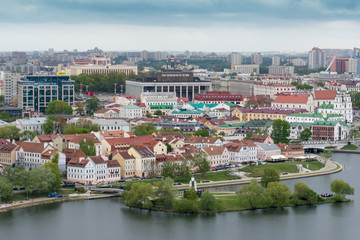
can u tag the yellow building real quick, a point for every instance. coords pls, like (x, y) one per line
(127, 163)
(248, 114)
(8, 154)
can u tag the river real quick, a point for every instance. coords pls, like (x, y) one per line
(109, 219)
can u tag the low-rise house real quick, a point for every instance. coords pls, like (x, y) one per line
(30, 155)
(107, 113)
(31, 124)
(247, 114)
(125, 99)
(145, 161)
(127, 163)
(8, 154)
(291, 151)
(261, 138)
(297, 128)
(112, 134)
(242, 151)
(200, 142)
(216, 155)
(57, 140)
(267, 150)
(73, 154)
(228, 129)
(312, 117)
(163, 108)
(92, 170)
(74, 140)
(131, 111)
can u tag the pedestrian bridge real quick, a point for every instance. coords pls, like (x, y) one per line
(107, 190)
(323, 144)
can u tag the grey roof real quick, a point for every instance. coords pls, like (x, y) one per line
(268, 146)
(31, 121)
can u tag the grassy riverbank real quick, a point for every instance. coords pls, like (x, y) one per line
(288, 167)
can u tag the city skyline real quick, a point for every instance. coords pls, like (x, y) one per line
(221, 26)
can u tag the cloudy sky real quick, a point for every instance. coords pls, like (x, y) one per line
(202, 25)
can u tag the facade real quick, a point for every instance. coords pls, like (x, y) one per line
(31, 124)
(242, 151)
(281, 70)
(317, 58)
(248, 114)
(300, 101)
(107, 113)
(125, 99)
(183, 84)
(272, 89)
(153, 99)
(74, 140)
(296, 128)
(103, 69)
(216, 155)
(341, 105)
(246, 68)
(329, 131)
(354, 65)
(127, 163)
(291, 151)
(276, 61)
(131, 111)
(145, 160)
(256, 58)
(218, 97)
(36, 92)
(10, 90)
(8, 154)
(312, 117)
(267, 150)
(235, 58)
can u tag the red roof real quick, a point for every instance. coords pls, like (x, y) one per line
(325, 94)
(292, 99)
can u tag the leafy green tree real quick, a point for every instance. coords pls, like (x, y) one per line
(327, 153)
(270, 175)
(2, 100)
(43, 180)
(199, 160)
(169, 148)
(340, 187)
(280, 193)
(303, 192)
(92, 105)
(355, 98)
(185, 205)
(79, 109)
(305, 135)
(9, 132)
(254, 195)
(207, 201)
(88, 147)
(140, 195)
(146, 129)
(58, 107)
(281, 131)
(202, 132)
(191, 194)
(148, 115)
(248, 135)
(6, 190)
(320, 84)
(27, 135)
(158, 112)
(48, 126)
(166, 193)
(4, 116)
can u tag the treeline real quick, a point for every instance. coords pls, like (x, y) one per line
(102, 83)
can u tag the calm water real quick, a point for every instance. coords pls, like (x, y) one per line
(108, 219)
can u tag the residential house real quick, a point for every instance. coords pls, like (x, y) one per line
(216, 155)
(267, 150)
(107, 113)
(201, 142)
(127, 163)
(242, 151)
(8, 154)
(74, 140)
(131, 111)
(248, 114)
(261, 138)
(31, 124)
(145, 160)
(291, 151)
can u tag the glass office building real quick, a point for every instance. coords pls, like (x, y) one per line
(36, 92)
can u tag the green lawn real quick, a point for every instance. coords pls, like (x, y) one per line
(216, 176)
(289, 167)
(350, 147)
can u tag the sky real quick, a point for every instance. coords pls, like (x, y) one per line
(178, 25)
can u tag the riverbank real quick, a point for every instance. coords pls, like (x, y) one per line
(40, 201)
(346, 151)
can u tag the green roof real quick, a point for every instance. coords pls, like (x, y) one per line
(259, 123)
(156, 107)
(231, 104)
(326, 106)
(187, 112)
(329, 123)
(202, 105)
(131, 106)
(303, 124)
(234, 125)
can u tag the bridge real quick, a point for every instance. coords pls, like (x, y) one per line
(321, 145)
(107, 190)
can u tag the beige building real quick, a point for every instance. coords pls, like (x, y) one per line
(246, 68)
(127, 163)
(8, 154)
(271, 89)
(145, 161)
(102, 69)
(281, 70)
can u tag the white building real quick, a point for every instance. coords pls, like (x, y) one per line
(246, 68)
(281, 70)
(341, 105)
(10, 86)
(108, 124)
(216, 155)
(131, 111)
(125, 99)
(243, 151)
(159, 98)
(236, 58)
(312, 117)
(31, 124)
(317, 58)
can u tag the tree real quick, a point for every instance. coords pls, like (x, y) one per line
(270, 175)
(199, 160)
(202, 132)
(48, 126)
(58, 107)
(4, 116)
(169, 148)
(340, 187)
(281, 131)
(148, 115)
(27, 135)
(146, 129)
(254, 195)
(355, 98)
(88, 147)
(248, 135)
(140, 195)
(6, 190)
(303, 192)
(279, 192)
(92, 105)
(43, 180)
(191, 194)
(305, 135)
(327, 153)
(79, 109)
(158, 112)
(166, 193)
(207, 201)
(320, 84)
(185, 205)
(9, 132)
(2, 100)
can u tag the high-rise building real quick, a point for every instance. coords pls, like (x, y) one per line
(10, 86)
(276, 60)
(36, 92)
(256, 58)
(235, 58)
(158, 56)
(281, 70)
(354, 65)
(340, 65)
(145, 55)
(18, 58)
(356, 52)
(317, 58)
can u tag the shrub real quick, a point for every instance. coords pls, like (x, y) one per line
(185, 205)
(81, 190)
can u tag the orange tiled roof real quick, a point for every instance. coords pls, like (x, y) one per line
(325, 94)
(292, 99)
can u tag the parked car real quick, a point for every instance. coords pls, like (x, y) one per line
(53, 194)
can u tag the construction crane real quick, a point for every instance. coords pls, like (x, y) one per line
(332, 61)
(13, 101)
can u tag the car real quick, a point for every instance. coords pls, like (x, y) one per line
(142, 178)
(214, 169)
(53, 194)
